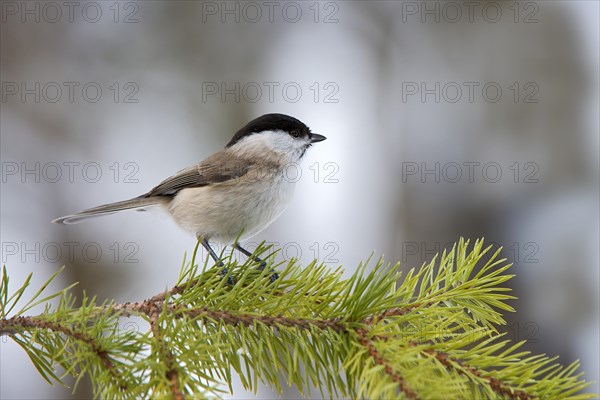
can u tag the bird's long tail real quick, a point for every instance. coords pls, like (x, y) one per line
(138, 203)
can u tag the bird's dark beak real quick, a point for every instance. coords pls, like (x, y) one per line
(315, 137)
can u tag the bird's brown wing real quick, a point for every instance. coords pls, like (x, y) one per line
(218, 168)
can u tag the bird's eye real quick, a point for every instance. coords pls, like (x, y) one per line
(295, 134)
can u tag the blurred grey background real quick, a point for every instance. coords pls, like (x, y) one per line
(444, 119)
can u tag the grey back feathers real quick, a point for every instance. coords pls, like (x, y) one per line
(218, 168)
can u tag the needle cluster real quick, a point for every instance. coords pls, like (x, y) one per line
(431, 333)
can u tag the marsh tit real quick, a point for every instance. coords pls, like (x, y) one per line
(233, 194)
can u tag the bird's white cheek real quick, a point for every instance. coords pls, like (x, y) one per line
(273, 145)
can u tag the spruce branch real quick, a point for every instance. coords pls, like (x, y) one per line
(433, 335)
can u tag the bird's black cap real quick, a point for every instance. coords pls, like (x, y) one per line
(271, 122)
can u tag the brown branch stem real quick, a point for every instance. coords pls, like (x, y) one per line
(403, 387)
(465, 369)
(153, 306)
(13, 325)
(172, 373)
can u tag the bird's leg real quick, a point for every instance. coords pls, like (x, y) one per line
(262, 263)
(212, 253)
(215, 257)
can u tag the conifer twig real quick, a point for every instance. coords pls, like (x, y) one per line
(434, 331)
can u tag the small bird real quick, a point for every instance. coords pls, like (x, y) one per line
(233, 194)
